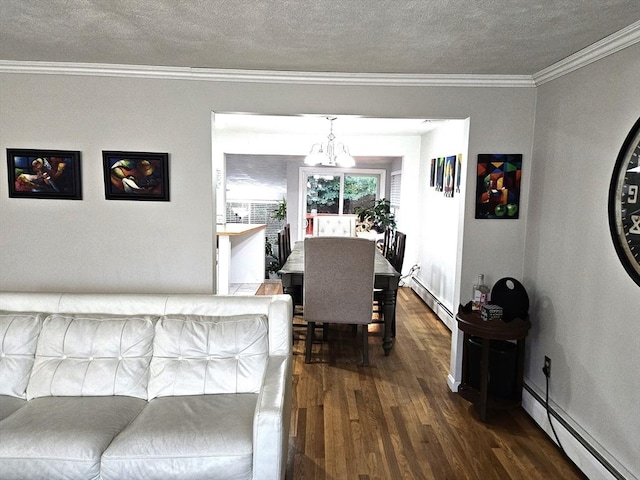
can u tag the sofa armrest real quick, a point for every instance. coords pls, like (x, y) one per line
(272, 420)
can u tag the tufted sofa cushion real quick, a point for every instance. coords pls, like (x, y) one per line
(18, 339)
(187, 437)
(63, 438)
(92, 355)
(196, 355)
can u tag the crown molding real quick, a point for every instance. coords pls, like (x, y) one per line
(264, 76)
(607, 46)
(613, 43)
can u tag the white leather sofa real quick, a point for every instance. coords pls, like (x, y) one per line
(108, 386)
(334, 226)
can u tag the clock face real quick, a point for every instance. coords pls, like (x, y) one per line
(624, 204)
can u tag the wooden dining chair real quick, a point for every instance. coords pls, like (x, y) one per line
(395, 255)
(338, 285)
(287, 239)
(284, 250)
(397, 251)
(282, 247)
(387, 241)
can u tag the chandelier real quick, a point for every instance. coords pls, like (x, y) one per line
(330, 153)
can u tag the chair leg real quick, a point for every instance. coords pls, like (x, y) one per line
(311, 326)
(365, 345)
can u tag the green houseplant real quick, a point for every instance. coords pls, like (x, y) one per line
(271, 264)
(378, 215)
(280, 213)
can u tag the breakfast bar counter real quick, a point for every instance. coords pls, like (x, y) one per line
(241, 257)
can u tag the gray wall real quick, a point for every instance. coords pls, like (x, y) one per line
(586, 309)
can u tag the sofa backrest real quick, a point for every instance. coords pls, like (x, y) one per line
(277, 308)
(152, 345)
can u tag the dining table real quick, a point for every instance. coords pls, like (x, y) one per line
(386, 279)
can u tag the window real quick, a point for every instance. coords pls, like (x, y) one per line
(333, 191)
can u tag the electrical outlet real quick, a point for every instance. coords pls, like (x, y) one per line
(547, 366)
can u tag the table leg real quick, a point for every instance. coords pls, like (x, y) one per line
(520, 369)
(389, 317)
(484, 380)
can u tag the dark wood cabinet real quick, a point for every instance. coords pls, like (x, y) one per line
(482, 333)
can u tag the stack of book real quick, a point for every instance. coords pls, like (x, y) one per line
(489, 312)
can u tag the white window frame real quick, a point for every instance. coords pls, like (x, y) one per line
(302, 186)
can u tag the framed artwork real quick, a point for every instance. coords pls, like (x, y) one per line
(498, 186)
(136, 176)
(458, 172)
(51, 174)
(449, 175)
(432, 179)
(439, 173)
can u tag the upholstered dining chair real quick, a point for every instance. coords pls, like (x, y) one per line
(338, 285)
(334, 226)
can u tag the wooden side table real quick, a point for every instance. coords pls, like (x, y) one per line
(471, 324)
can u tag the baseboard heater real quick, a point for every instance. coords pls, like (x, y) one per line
(432, 301)
(615, 473)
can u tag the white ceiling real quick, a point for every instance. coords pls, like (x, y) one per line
(502, 37)
(319, 125)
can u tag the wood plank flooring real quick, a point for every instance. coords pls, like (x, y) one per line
(397, 419)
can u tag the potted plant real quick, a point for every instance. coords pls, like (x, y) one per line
(271, 263)
(280, 213)
(378, 215)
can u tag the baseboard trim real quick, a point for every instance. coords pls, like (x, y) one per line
(584, 451)
(433, 302)
(589, 456)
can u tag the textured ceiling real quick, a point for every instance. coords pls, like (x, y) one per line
(510, 37)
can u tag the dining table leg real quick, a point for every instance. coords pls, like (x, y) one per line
(389, 317)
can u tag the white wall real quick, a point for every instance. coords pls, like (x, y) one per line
(297, 145)
(586, 309)
(439, 218)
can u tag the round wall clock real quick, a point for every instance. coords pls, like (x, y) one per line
(624, 204)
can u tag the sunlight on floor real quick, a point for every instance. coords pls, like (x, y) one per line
(243, 288)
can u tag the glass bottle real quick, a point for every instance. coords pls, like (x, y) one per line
(480, 294)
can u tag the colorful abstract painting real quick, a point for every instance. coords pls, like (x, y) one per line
(449, 175)
(439, 174)
(498, 186)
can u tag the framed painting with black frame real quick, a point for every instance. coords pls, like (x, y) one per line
(498, 182)
(136, 176)
(53, 174)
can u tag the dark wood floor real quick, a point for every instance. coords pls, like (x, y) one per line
(397, 419)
